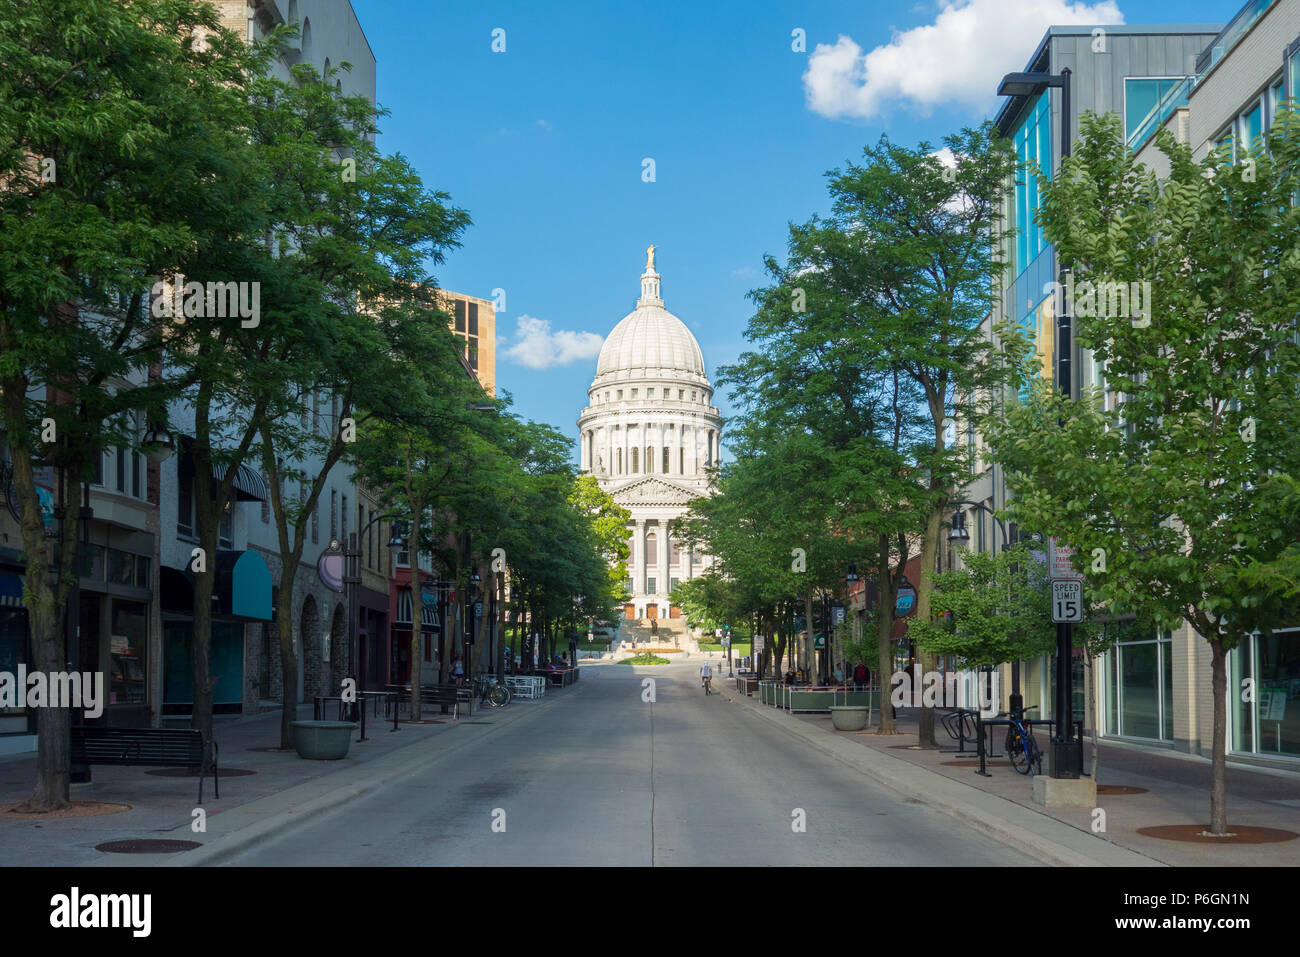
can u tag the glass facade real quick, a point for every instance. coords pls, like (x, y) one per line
(1270, 723)
(1033, 145)
(1139, 685)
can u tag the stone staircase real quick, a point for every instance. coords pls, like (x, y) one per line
(673, 633)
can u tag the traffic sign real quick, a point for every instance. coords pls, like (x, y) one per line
(1067, 602)
(1059, 567)
(758, 644)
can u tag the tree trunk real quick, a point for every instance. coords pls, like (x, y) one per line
(885, 636)
(809, 655)
(46, 607)
(929, 550)
(201, 643)
(288, 666)
(1219, 758)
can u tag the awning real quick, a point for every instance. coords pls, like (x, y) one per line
(243, 585)
(428, 616)
(11, 591)
(242, 588)
(248, 485)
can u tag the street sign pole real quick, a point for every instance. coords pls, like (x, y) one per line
(1067, 755)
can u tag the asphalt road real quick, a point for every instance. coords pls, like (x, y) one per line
(605, 778)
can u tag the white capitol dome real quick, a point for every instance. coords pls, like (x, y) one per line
(651, 436)
(650, 342)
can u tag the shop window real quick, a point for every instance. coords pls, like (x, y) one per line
(1139, 678)
(128, 644)
(1270, 723)
(90, 562)
(121, 568)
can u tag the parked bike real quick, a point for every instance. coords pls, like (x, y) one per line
(1022, 748)
(491, 692)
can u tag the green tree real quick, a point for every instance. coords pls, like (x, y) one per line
(117, 156)
(1179, 498)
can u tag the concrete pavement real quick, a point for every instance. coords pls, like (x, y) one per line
(609, 778)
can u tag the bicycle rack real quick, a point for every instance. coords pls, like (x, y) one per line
(962, 724)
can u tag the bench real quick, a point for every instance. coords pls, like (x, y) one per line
(148, 747)
(443, 694)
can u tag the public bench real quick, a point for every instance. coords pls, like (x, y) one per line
(146, 747)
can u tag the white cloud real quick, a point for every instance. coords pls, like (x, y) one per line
(957, 59)
(537, 347)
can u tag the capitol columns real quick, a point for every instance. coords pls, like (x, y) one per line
(638, 581)
(663, 581)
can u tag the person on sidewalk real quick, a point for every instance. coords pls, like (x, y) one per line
(706, 676)
(861, 676)
(457, 670)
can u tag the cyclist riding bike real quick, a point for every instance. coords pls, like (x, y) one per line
(706, 676)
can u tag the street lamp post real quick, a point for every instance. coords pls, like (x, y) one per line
(1067, 756)
(352, 582)
(960, 536)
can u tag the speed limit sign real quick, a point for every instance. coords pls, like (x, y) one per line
(1067, 602)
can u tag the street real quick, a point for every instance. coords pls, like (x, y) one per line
(606, 778)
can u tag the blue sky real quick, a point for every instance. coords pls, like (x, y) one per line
(544, 143)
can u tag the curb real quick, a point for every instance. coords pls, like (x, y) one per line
(1048, 848)
(280, 813)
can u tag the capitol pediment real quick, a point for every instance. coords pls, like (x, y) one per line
(653, 491)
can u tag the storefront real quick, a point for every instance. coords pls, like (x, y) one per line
(113, 620)
(372, 626)
(241, 594)
(15, 723)
(1269, 723)
(1139, 684)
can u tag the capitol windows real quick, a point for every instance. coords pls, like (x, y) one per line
(649, 458)
(634, 462)
(681, 394)
(620, 393)
(666, 466)
(634, 391)
(649, 393)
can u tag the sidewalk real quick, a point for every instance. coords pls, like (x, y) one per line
(251, 805)
(1177, 792)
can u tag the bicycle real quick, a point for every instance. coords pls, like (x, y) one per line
(706, 682)
(491, 692)
(1022, 748)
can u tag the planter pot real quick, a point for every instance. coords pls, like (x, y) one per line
(851, 718)
(323, 740)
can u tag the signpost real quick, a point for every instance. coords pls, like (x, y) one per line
(1067, 602)
(1067, 610)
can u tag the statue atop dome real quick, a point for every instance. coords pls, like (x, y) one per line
(650, 259)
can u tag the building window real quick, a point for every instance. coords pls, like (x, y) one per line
(649, 393)
(650, 586)
(1139, 685)
(681, 461)
(634, 392)
(620, 394)
(681, 394)
(1033, 145)
(649, 458)
(1270, 723)
(666, 463)
(634, 461)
